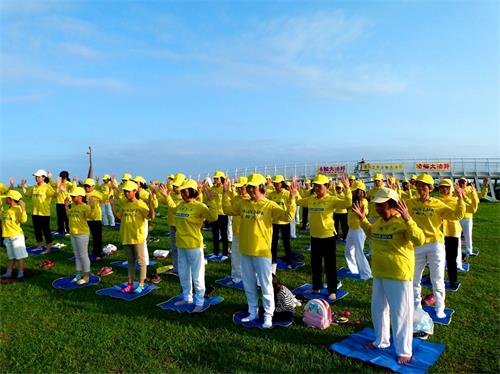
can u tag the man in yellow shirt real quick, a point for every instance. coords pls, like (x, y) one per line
(220, 225)
(257, 216)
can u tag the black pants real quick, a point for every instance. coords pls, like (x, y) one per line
(62, 219)
(451, 247)
(341, 222)
(220, 226)
(324, 249)
(285, 236)
(305, 214)
(96, 232)
(41, 226)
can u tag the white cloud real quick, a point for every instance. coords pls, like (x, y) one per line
(22, 98)
(80, 50)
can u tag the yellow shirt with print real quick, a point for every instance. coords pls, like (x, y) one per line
(189, 217)
(41, 197)
(393, 241)
(429, 216)
(281, 198)
(96, 214)
(78, 215)
(256, 228)
(133, 215)
(12, 218)
(321, 221)
(237, 219)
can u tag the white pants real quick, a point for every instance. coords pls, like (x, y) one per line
(293, 229)
(392, 307)
(466, 224)
(107, 212)
(16, 247)
(235, 261)
(192, 270)
(354, 254)
(297, 214)
(146, 253)
(80, 244)
(173, 248)
(434, 255)
(230, 229)
(255, 268)
(459, 254)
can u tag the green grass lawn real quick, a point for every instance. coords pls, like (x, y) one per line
(49, 330)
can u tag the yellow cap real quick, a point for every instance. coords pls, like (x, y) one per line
(352, 177)
(106, 177)
(79, 191)
(307, 181)
(463, 179)
(339, 185)
(126, 177)
(139, 179)
(268, 177)
(219, 174)
(321, 179)
(179, 178)
(385, 194)
(358, 185)
(256, 180)
(89, 182)
(426, 178)
(278, 179)
(446, 183)
(14, 195)
(129, 186)
(378, 177)
(241, 182)
(189, 183)
(40, 173)
(413, 177)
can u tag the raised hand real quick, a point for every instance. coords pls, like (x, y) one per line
(460, 191)
(49, 174)
(345, 181)
(164, 190)
(359, 210)
(403, 210)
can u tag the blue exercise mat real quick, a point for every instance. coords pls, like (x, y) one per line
(425, 353)
(426, 282)
(441, 321)
(257, 323)
(32, 250)
(228, 282)
(59, 235)
(170, 304)
(91, 258)
(323, 293)
(346, 273)
(115, 291)
(465, 267)
(282, 265)
(124, 264)
(216, 258)
(66, 284)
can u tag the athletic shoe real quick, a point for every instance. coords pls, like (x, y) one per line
(250, 318)
(127, 289)
(268, 323)
(139, 289)
(182, 302)
(82, 281)
(198, 309)
(76, 278)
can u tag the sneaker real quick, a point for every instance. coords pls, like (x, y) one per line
(223, 258)
(440, 314)
(76, 278)
(198, 309)
(106, 271)
(421, 335)
(6, 276)
(82, 281)
(250, 318)
(268, 323)
(139, 289)
(127, 289)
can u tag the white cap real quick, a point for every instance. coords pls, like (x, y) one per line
(40, 173)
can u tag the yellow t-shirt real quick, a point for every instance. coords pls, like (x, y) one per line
(12, 218)
(78, 215)
(237, 219)
(96, 214)
(62, 195)
(451, 227)
(473, 199)
(144, 196)
(352, 218)
(217, 193)
(429, 216)
(321, 212)
(106, 192)
(406, 195)
(281, 198)
(257, 217)
(41, 197)
(189, 217)
(133, 215)
(340, 210)
(3, 190)
(393, 254)
(175, 199)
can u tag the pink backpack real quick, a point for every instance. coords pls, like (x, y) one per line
(318, 314)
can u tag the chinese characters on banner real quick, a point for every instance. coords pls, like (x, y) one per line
(332, 169)
(368, 166)
(426, 166)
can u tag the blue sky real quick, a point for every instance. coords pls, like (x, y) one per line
(161, 86)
